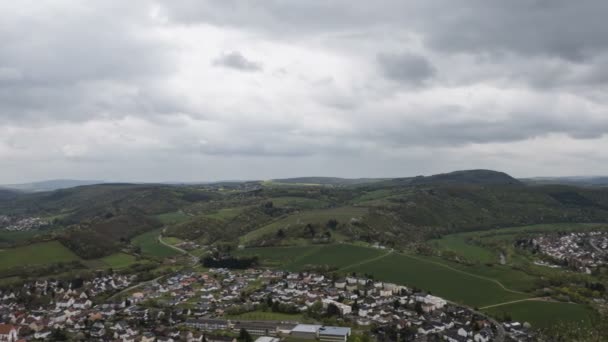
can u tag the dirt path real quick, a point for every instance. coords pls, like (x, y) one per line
(366, 261)
(535, 299)
(469, 274)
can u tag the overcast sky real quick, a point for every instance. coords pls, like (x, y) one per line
(192, 90)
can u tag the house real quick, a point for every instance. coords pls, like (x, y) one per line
(334, 334)
(9, 333)
(42, 335)
(147, 337)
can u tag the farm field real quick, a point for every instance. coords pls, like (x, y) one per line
(339, 256)
(448, 283)
(36, 254)
(148, 242)
(543, 314)
(278, 256)
(458, 243)
(341, 214)
(425, 273)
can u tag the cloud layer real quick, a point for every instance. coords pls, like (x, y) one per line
(224, 89)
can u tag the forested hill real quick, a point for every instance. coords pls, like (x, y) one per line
(394, 212)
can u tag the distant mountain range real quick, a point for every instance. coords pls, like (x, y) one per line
(589, 181)
(480, 177)
(49, 185)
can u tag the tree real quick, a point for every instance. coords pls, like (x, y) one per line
(332, 224)
(418, 308)
(316, 310)
(58, 335)
(333, 310)
(281, 233)
(244, 336)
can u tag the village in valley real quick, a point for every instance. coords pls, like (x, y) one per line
(222, 305)
(580, 251)
(9, 223)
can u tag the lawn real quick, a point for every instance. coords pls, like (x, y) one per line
(543, 314)
(36, 254)
(148, 242)
(342, 214)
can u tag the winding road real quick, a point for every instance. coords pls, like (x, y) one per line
(194, 259)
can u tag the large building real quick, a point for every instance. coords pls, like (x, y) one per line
(334, 334)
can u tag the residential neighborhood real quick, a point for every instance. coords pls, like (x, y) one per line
(214, 306)
(21, 224)
(583, 251)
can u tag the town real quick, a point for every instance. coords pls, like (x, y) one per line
(21, 224)
(213, 306)
(584, 251)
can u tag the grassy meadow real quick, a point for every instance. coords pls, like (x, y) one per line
(320, 216)
(148, 242)
(543, 314)
(41, 253)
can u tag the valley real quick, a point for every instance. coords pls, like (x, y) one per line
(448, 235)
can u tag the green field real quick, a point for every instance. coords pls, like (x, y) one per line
(421, 272)
(118, 260)
(173, 217)
(452, 284)
(148, 242)
(278, 256)
(543, 314)
(297, 258)
(7, 237)
(226, 214)
(342, 214)
(36, 254)
(338, 256)
(172, 240)
(458, 243)
(298, 202)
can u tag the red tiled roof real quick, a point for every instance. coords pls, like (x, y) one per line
(5, 329)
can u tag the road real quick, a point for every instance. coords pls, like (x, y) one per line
(194, 259)
(136, 286)
(500, 330)
(599, 250)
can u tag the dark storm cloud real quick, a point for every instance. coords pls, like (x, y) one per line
(573, 31)
(406, 68)
(235, 60)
